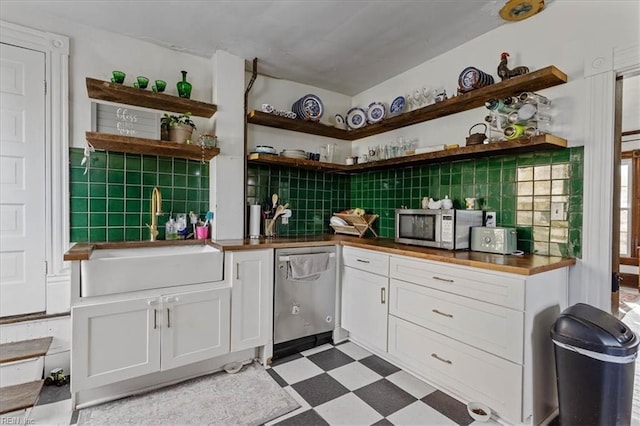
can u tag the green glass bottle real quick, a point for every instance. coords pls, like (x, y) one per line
(184, 87)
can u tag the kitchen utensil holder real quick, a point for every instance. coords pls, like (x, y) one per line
(356, 224)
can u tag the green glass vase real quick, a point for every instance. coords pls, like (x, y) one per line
(184, 87)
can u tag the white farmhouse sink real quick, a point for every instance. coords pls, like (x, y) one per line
(110, 271)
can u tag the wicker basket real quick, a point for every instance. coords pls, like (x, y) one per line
(356, 224)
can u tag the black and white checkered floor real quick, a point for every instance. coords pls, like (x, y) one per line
(347, 385)
(335, 385)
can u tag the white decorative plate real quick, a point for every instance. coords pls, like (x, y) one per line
(356, 118)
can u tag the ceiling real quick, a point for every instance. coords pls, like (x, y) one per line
(345, 46)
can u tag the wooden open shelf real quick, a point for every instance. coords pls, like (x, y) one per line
(518, 146)
(310, 127)
(133, 145)
(531, 82)
(119, 93)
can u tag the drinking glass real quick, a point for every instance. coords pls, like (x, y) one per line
(143, 82)
(331, 149)
(161, 85)
(118, 77)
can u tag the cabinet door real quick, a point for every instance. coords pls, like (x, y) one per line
(364, 307)
(251, 275)
(195, 326)
(459, 368)
(114, 341)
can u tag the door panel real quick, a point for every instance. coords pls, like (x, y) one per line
(195, 326)
(364, 307)
(251, 275)
(114, 342)
(22, 181)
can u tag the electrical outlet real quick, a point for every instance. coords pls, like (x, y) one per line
(557, 211)
(490, 219)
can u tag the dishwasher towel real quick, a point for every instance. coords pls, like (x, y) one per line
(305, 266)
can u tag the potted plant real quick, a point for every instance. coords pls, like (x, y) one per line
(178, 128)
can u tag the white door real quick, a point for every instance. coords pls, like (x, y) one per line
(364, 307)
(22, 181)
(252, 298)
(115, 341)
(195, 326)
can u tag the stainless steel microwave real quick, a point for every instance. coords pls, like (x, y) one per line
(447, 228)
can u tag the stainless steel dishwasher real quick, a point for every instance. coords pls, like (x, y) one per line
(304, 310)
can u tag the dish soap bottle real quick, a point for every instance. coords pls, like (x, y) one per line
(171, 230)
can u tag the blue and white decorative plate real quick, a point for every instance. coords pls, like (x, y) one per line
(309, 107)
(312, 106)
(356, 118)
(397, 106)
(376, 112)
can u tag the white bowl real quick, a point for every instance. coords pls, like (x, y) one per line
(477, 415)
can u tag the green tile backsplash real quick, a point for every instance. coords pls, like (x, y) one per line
(312, 196)
(520, 188)
(112, 201)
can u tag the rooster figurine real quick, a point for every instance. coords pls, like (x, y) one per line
(505, 73)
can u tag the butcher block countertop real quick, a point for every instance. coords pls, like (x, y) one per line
(521, 265)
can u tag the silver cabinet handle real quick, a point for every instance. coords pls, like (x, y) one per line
(443, 279)
(446, 361)
(154, 302)
(237, 270)
(362, 261)
(168, 318)
(435, 311)
(382, 295)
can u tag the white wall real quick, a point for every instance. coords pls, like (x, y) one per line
(96, 53)
(568, 34)
(282, 94)
(564, 35)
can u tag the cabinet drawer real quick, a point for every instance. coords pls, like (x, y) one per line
(366, 260)
(495, 329)
(502, 289)
(471, 373)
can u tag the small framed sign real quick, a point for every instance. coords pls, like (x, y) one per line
(124, 120)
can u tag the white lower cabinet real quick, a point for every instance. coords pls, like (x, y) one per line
(251, 276)
(364, 307)
(469, 372)
(119, 340)
(479, 334)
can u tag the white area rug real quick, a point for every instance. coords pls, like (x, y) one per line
(250, 397)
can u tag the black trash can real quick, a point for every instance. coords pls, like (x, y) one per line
(595, 365)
